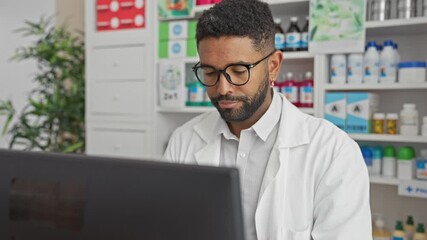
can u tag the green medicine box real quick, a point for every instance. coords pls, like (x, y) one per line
(177, 48)
(174, 30)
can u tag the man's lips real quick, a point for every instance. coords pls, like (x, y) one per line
(225, 104)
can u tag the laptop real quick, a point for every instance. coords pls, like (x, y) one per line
(66, 196)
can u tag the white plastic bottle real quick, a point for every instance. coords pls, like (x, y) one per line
(409, 120)
(371, 62)
(424, 127)
(338, 69)
(355, 68)
(388, 63)
(396, 53)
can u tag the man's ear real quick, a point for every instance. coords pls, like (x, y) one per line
(274, 65)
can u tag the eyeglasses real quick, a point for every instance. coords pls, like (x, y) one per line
(236, 73)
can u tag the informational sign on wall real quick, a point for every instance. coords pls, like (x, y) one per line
(120, 14)
(337, 26)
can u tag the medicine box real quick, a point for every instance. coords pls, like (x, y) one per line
(421, 170)
(335, 109)
(360, 108)
(177, 48)
(172, 92)
(177, 30)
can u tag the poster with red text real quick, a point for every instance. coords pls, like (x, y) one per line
(120, 14)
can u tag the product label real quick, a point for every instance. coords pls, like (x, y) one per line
(306, 95)
(371, 69)
(338, 72)
(293, 40)
(387, 71)
(291, 93)
(355, 72)
(380, 238)
(279, 41)
(304, 40)
(398, 238)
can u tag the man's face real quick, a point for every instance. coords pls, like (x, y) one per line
(235, 103)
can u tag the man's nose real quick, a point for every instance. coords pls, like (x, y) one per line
(223, 85)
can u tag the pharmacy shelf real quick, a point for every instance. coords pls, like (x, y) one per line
(395, 86)
(200, 8)
(384, 180)
(397, 27)
(388, 138)
(297, 55)
(307, 110)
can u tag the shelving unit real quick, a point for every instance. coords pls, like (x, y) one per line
(395, 86)
(397, 27)
(383, 180)
(297, 55)
(388, 138)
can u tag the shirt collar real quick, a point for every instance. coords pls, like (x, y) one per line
(263, 127)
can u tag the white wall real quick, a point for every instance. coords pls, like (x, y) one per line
(16, 77)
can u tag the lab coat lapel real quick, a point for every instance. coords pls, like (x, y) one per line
(209, 154)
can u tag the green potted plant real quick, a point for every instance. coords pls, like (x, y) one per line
(53, 119)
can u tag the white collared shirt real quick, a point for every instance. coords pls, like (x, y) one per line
(250, 155)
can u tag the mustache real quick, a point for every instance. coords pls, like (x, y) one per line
(228, 97)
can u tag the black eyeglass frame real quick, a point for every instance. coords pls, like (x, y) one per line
(223, 71)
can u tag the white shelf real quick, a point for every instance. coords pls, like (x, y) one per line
(384, 180)
(200, 8)
(297, 55)
(388, 138)
(307, 110)
(185, 110)
(397, 26)
(277, 2)
(395, 86)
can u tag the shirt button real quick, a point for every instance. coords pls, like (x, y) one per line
(242, 155)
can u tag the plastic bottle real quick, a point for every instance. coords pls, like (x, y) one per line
(398, 233)
(304, 35)
(424, 127)
(421, 171)
(388, 63)
(378, 123)
(376, 160)
(409, 120)
(338, 69)
(279, 37)
(355, 68)
(306, 91)
(380, 232)
(406, 9)
(406, 163)
(396, 53)
(389, 162)
(293, 36)
(290, 89)
(367, 156)
(391, 123)
(409, 227)
(371, 62)
(380, 10)
(420, 234)
(279, 84)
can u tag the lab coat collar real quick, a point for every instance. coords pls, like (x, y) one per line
(293, 131)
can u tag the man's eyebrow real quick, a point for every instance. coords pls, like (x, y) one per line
(239, 62)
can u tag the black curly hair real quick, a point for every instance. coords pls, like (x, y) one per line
(242, 18)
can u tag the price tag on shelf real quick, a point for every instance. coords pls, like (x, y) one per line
(413, 188)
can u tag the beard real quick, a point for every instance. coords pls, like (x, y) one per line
(249, 107)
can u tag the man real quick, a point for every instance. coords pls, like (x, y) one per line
(301, 177)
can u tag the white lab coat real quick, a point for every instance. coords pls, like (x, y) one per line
(315, 185)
